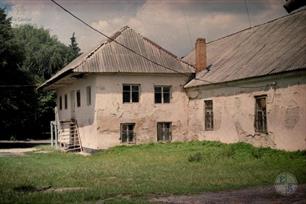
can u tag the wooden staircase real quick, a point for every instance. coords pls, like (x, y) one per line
(69, 137)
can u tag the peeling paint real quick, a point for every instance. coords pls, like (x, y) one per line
(292, 117)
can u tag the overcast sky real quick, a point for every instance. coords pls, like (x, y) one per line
(173, 24)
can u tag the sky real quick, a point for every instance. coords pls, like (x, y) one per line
(173, 24)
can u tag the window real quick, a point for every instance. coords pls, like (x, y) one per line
(78, 96)
(164, 131)
(66, 101)
(209, 115)
(260, 114)
(162, 94)
(127, 132)
(60, 103)
(88, 94)
(131, 93)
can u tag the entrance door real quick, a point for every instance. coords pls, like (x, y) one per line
(72, 104)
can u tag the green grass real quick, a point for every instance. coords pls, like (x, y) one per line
(135, 173)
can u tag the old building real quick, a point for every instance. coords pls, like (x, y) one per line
(117, 96)
(252, 88)
(249, 86)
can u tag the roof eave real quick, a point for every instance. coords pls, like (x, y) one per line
(52, 80)
(188, 85)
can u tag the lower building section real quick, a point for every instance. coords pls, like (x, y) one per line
(131, 132)
(269, 118)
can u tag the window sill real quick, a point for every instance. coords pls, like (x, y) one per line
(127, 143)
(261, 133)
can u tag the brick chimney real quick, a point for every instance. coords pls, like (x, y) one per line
(200, 54)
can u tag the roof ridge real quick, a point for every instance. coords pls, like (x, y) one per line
(258, 25)
(110, 39)
(160, 47)
(154, 43)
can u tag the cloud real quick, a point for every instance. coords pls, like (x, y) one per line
(174, 25)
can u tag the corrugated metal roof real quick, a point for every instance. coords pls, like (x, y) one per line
(273, 47)
(111, 57)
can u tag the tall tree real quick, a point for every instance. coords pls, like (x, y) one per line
(44, 56)
(75, 50)
(17, 99)
(28, 56)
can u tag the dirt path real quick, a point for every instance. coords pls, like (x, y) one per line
(250, 195)
(15, 151)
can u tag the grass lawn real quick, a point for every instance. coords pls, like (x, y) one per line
(132, 174)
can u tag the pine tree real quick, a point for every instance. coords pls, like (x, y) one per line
(75, 50)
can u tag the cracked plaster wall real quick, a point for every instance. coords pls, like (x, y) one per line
(234, 116)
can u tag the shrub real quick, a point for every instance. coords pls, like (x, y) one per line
(228, 151)
(256, 153)
(196, 157)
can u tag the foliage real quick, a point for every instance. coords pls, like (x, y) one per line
(196, 157)
(44, 54)
(16, 103)
(134, 173)
(28, 56)
(75, 50)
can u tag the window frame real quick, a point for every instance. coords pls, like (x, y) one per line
(88, 95)
(133, 141)
(263, 110)
(130, 93)
(162, 93)
(66, 101)
(60, 103)
(78, 98)
(158, 137)
(208, 115)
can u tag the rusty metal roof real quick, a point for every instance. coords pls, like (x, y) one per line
(273, 47)
(110, 57)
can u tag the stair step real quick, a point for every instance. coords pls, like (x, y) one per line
(72, 149)
(69, 135)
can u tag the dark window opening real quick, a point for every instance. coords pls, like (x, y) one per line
(88, 93)
(164, 132)
(209, 115)
(60, 103)
(261, 114)
(127, 133)
(130, 93)
(66, 101)
(162, 94)
(78, 96)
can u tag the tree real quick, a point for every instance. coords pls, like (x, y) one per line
(44, 54)
(75, 50)
(28, 56)
(17, 93)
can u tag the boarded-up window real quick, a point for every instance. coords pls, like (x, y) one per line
(209, 115)
(66, 101)
(78, 97)
(127, 133)
(88, 95)
(164, 131)
(130, 93)
(162, 94)
(260, 114)
(60, 103)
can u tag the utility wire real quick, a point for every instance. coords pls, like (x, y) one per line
(133, 51)
(112, 39)
(16, 86)
(248, 12)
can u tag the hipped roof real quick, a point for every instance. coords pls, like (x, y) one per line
(110, 57)
(273, 47)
